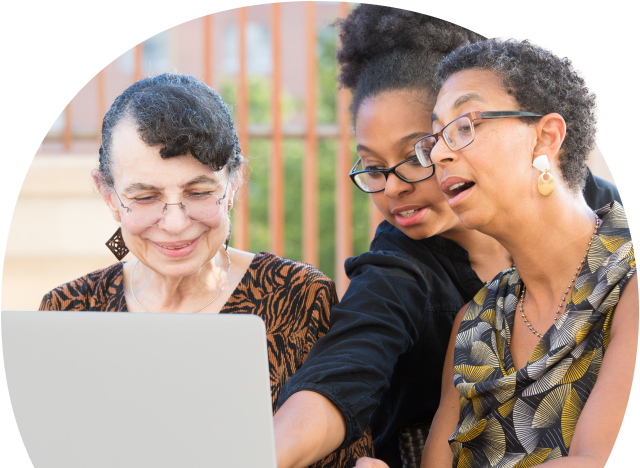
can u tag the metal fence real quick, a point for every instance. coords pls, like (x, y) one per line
(311, 131)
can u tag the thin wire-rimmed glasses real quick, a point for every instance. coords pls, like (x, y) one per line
(459, 133)
(198, 207)
(375, 180)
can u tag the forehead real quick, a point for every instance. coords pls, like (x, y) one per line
(134, 161)
(473, 89)
(399, 113)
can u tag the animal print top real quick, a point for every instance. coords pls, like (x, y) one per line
(293, 299)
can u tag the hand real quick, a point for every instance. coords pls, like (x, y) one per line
(366, 462)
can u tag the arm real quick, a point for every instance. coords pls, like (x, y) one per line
(308, 427)
(437, 452)
(601, 418)
(348, 369)
(307, 411)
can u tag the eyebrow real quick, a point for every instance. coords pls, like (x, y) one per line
(405, 139)
(402, 141)
(364, 148)
(462, 100)
(202, 179)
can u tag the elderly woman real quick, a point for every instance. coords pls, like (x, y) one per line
(169, 168)
(540, 362)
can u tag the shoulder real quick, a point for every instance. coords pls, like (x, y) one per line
(389, 249)
(501, 287)
(598, 192)
(78, 294)
(267, 267)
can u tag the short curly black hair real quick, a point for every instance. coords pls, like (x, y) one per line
(387, 49)
(542, 83)
(181, 114)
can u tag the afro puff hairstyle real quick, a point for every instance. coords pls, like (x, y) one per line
(385, 49)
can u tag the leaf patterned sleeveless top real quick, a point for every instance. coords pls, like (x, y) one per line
(528, 416)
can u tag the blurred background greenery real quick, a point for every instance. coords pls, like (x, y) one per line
(259, 90)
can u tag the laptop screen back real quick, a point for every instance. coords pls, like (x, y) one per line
(93, 389)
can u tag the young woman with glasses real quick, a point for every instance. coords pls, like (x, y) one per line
(380, 366)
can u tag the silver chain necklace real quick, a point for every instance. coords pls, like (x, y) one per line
(207, 304)
(569, 287)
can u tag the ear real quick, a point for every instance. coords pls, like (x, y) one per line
(234, 189)
(550, 133)
(106, 192)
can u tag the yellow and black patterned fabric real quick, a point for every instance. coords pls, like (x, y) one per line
(521, 418)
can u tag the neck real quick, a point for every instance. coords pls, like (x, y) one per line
(158, 292)
(487, 256)
(547, 239)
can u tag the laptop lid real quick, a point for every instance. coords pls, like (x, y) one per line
(94, 389)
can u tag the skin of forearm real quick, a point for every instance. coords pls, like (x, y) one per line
(437, 453)
(307, 428)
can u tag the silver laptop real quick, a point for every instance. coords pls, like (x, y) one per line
(125, 390)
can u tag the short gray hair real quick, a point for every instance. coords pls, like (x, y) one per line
(181, 114)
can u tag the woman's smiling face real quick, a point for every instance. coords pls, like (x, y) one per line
(177, 246)
(387, 127)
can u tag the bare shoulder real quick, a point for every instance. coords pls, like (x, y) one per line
(625, 320)
(241, 258)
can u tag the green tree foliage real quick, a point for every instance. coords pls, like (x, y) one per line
(294, 150)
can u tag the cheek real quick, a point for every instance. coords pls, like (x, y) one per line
(218, 225)
(131, 229)
(438, 174)
(379, 200)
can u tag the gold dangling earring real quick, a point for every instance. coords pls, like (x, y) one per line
(546, 182)
(116, 245)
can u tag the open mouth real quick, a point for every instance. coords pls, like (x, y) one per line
(408, 214)
(457, 189)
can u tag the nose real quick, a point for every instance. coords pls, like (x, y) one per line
(175, 220)
(396, 187)
(441, 154)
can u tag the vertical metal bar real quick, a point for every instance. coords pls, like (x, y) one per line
(310, 161)
(137, 74)
(208, 65)
(276, 198)
(101, 104)
(67, 135)
(375, 218)
(344, 219)
(241, 217)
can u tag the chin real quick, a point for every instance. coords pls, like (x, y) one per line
(473, 219)
(417, 231)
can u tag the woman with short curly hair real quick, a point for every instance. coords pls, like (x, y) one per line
(380, 366)
(538, 365)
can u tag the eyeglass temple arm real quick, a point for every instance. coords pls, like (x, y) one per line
(225, 193)
(499, 114)
(353, 169)
(121, 204)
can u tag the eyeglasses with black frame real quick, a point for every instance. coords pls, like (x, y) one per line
(460, 133)
(199, 207)
(374, 180)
